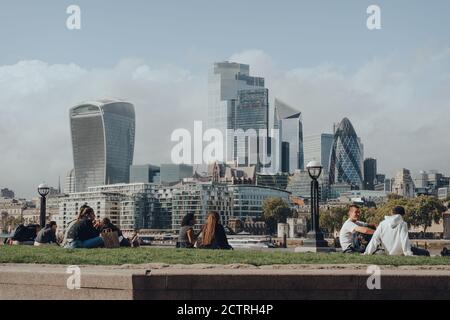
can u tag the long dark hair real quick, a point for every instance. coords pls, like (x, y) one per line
(209, 229)
(84, 212)
(188, 219)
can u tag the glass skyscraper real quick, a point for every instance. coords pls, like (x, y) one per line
(103, 134)
(318, 148)
(346, 156)
(370, 173)
(289, 123)
(237, 101)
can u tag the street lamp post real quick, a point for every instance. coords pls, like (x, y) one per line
(314, 241)
(43, 191)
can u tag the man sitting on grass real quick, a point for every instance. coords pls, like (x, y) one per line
(354, 232)
(392, 235)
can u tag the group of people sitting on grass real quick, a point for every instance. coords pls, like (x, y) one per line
(87, 232)
(389, 237)
(33, 234)
(84, 232)
(211, 236)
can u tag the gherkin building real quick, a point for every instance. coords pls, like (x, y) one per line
(346, 156)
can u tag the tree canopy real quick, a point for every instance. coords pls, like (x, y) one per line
(275, 210)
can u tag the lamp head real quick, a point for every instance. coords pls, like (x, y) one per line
(43, 190)
(314, 169)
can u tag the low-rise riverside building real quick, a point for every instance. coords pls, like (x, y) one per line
(156, 206)
(248, 199)
(200, 198)
(105, 204)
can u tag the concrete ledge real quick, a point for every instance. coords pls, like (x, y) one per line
(239, 282)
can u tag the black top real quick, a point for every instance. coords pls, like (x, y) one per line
(46, 235)
(220, 240)
(83, 230)
(183, 240)
(24, 233)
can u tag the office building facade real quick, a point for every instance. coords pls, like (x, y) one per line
(346, 156)
(240, 103)
(370, 173)
(289, 123)
(318, 148)
(103, 134)
(403, 184)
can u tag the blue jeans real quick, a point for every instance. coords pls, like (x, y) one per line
(86, 244)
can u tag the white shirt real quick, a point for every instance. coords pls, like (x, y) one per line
(392, 235)
(345, 236)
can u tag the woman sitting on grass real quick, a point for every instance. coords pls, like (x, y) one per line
(107, 225)
(83, 234)
(213, 234)
(187, 238)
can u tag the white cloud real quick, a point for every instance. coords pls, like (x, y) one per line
(398, 105)
(35, 98)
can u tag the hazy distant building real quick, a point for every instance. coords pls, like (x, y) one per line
(146, 173)
(171, 173)
(336, 190)
(299, 185)
(346, 156)
(103, 134)
(289, 123)
(443, 193)
(370, 173)
(238, 101)
(278, 181)
(69, 184)
(403, 184)
(421, 179)
(231, 174)
(318, 147)
(380, 178)
(6, 193)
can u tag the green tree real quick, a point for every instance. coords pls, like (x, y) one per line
(332, 218)
(423, 211)
(275, 210)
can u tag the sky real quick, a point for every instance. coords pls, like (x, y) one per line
(318, 56)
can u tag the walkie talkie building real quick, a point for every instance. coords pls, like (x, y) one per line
(346, 156)
(103, 135)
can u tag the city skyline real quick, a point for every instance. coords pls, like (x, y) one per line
(394, 92)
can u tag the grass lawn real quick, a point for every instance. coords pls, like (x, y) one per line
(56, 255)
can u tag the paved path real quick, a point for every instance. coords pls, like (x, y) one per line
(237, 281)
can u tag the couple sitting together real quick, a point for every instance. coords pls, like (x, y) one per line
(390, 237)
(86, 231)
(211, 236)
